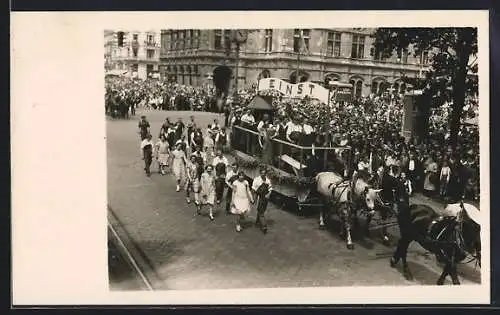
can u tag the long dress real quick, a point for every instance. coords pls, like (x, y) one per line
(178, 166)
(431, 170)
(241, 201)
(163, 152)
(194, 182)
(207, 183)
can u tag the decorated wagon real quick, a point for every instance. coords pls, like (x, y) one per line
(291, 167)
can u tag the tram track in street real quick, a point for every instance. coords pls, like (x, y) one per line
(127, 252)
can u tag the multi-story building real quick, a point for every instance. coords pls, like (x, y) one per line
(135, 52)
(346, 55)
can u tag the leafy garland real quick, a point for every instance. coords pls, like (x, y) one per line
(303, 182)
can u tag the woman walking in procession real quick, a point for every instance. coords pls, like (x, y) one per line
(241, 199)
(147, 154)
(207, 183)
(179, 162)
(163, 151)
(193, 180)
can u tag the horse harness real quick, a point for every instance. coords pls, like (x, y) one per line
(344, 184)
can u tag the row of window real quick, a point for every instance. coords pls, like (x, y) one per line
(183, 39)
(186, 39)
(181, 69)
(135, 37)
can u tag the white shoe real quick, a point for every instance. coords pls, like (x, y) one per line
(178, 188)
(238, 228)
(211, 216)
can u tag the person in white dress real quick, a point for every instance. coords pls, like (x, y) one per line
(241, 199)
(193, 180)
(179, 161)
(207, 184)
(162, 151)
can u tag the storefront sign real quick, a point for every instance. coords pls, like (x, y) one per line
(299, 90)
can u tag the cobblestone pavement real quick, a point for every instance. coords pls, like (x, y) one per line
(187, 252)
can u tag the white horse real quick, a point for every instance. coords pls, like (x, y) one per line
(335, 193)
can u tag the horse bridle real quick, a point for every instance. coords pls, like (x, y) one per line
(460, 238)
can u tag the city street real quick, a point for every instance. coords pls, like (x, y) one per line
(177, 250)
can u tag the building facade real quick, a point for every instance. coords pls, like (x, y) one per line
(137, 53)
(193, 56)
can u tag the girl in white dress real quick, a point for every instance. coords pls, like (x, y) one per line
(193, 180)
(179, 162)
(207, 183)
(163, 151)
(241, 199)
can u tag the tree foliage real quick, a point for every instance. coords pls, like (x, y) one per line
(449, 75)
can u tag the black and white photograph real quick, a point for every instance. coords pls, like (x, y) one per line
(245, 155)
(262, 158)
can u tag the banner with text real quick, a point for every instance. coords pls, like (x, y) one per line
(299, 90)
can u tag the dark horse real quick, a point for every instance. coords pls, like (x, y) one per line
(452, 237)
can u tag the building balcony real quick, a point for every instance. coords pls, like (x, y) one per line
(149, 44)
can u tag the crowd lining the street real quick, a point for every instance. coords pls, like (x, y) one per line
(370, 126)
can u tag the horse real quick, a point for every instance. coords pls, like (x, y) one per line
(451, 236)
(364, 197)
(335, 193)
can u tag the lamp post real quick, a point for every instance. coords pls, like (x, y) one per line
(239, 37)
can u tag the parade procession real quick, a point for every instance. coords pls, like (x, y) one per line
(331, 175)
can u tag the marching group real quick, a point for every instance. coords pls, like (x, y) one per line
(197, 161)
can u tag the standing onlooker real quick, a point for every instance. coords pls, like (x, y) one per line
(262, 187)
(430, 175)
(240, 199)
(444, 179)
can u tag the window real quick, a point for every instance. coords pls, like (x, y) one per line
(357, 87)
(425, 58)
(218, 39)
(404, 55)
(333, 44)
(377, 54)
(190, 38)
(135, 67)
(150, 40)
(176, 36)
(269, 40)
(121, 36)
(196, 43)
(134, 52)
(136, 36)
(358, 46)
(181, 40)
(375, 85)
(150, 53)
(227, 39)
(300, 40)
